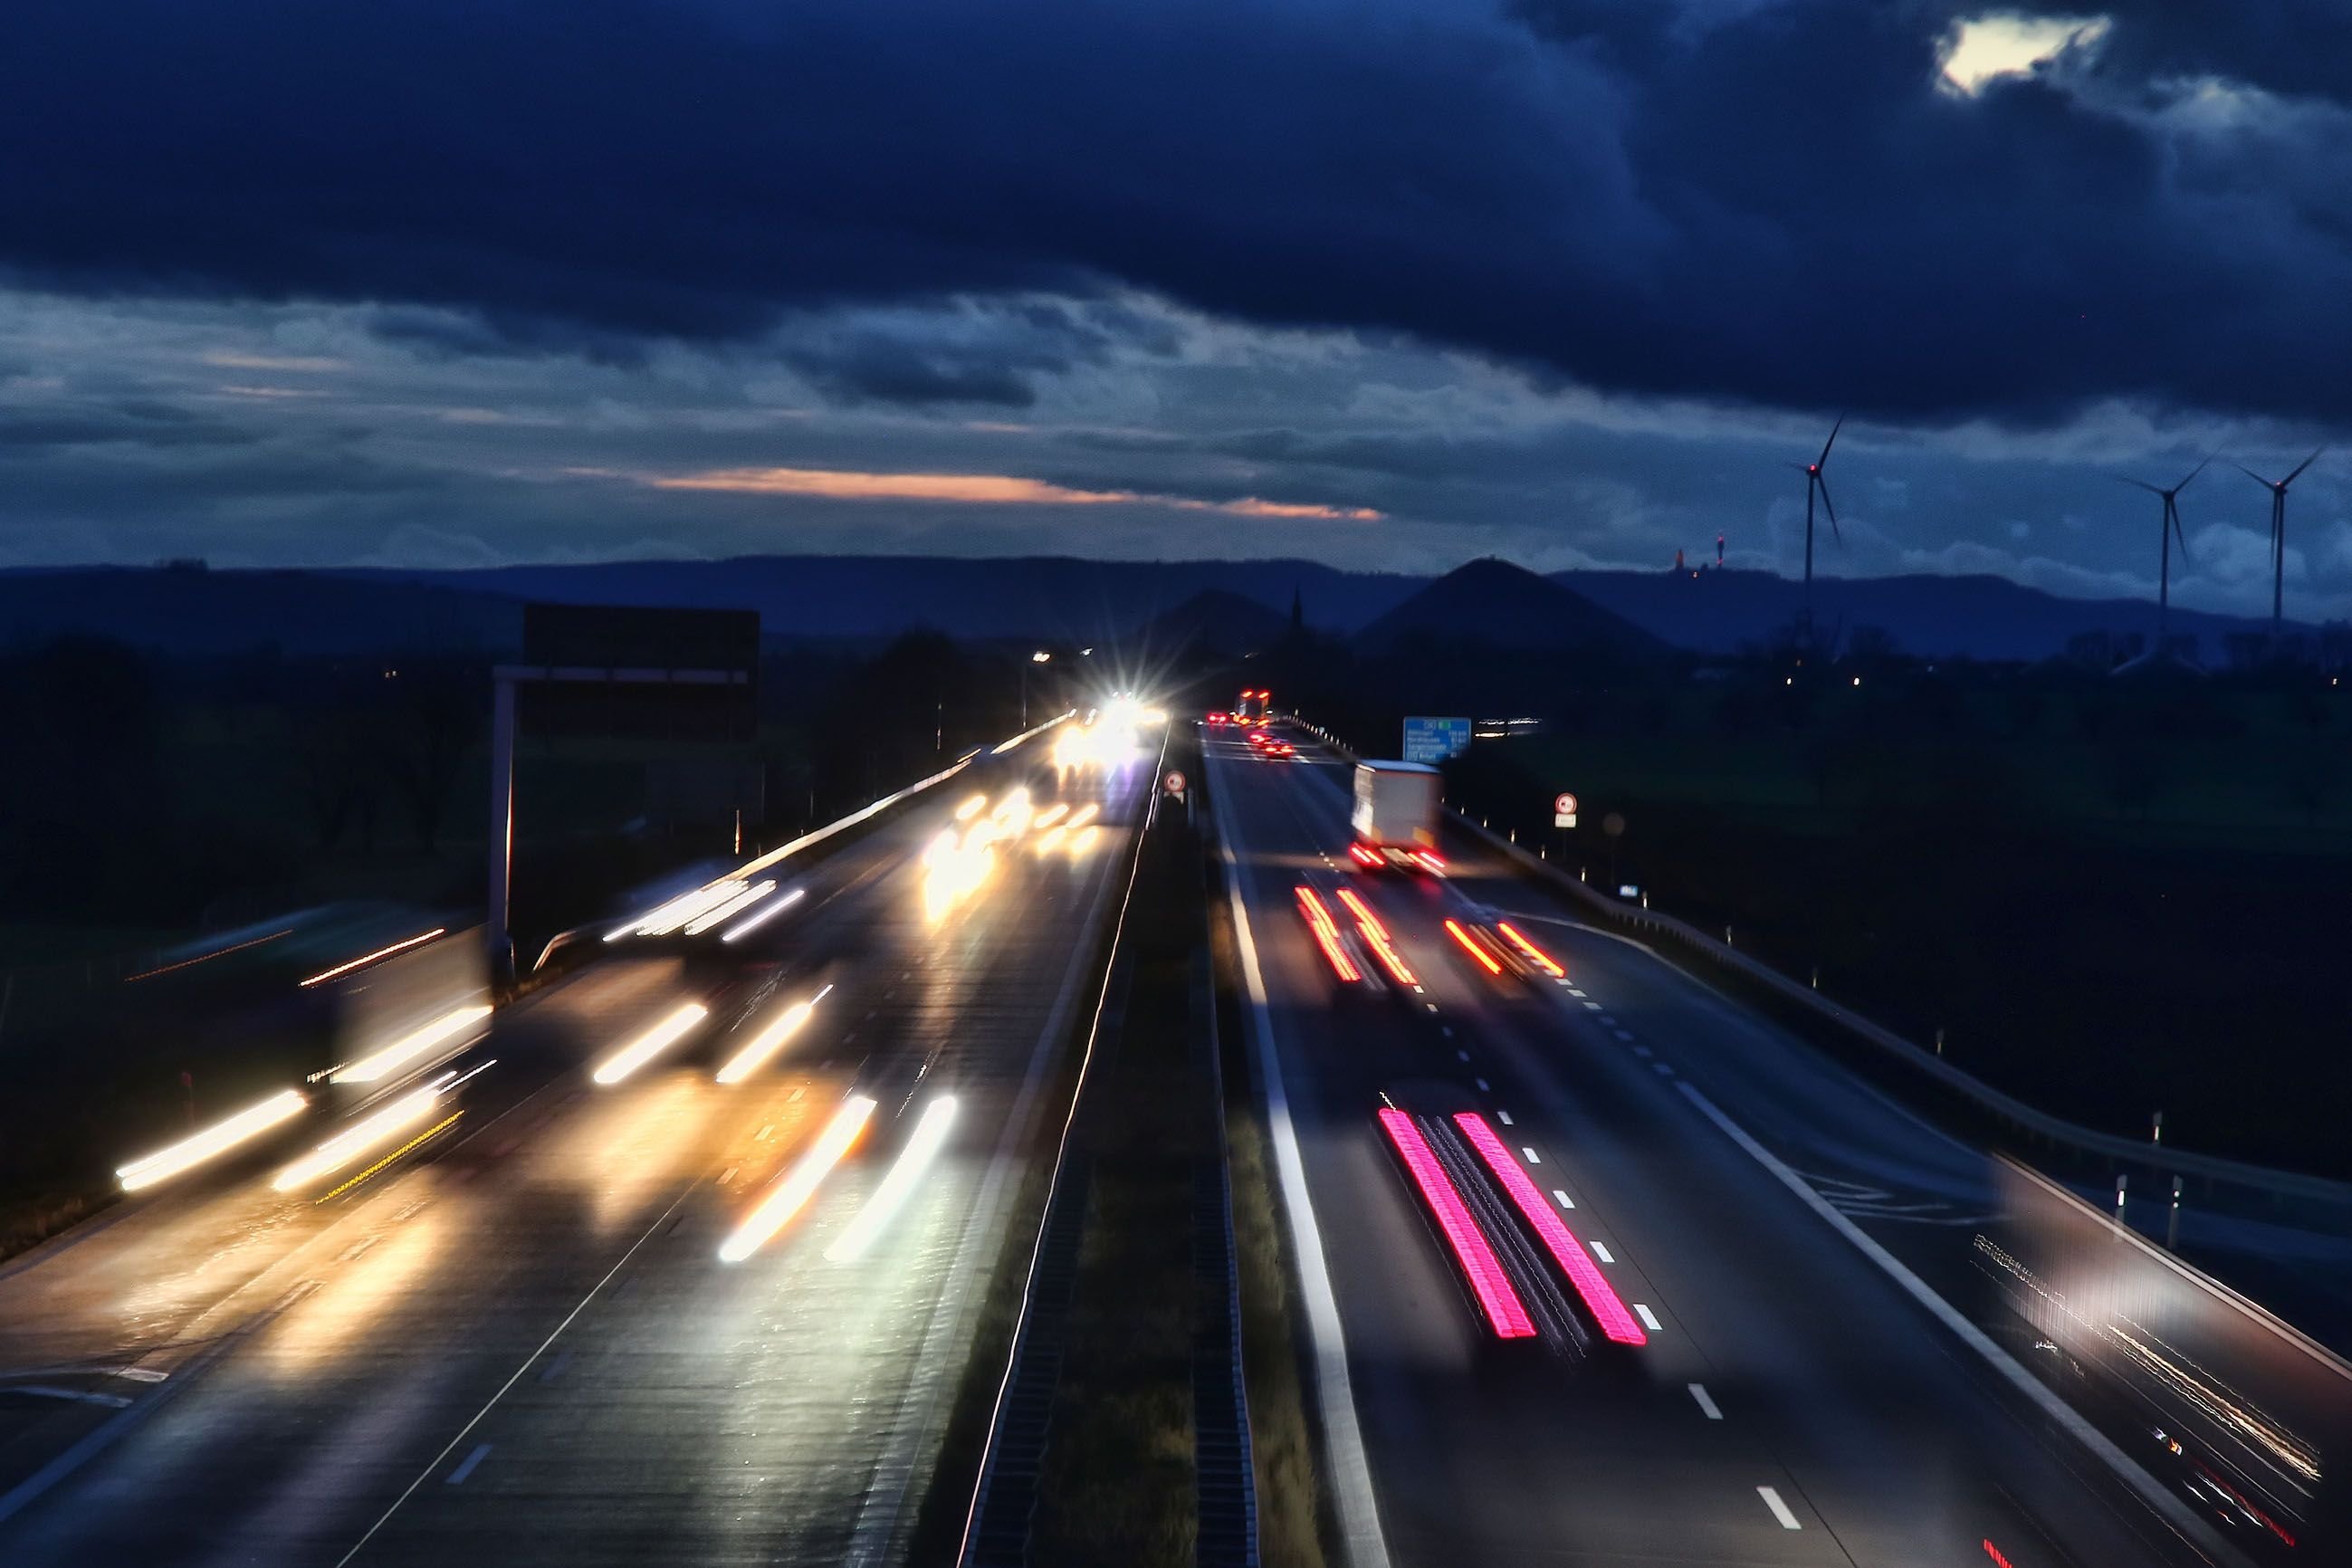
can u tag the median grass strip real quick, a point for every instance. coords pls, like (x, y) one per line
(1118, 1485)
(1295, 1524)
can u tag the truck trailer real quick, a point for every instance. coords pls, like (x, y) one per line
(1395, 816)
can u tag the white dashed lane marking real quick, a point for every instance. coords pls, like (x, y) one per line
(1649, 1319)
(466, 1466)
(1565, 1201)
(1533, 1158)
(1603, 1253)
(1706, 1401)
(1779, 1510)
(1503, 1117)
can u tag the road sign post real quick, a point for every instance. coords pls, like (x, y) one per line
(580, 656)
(1432, 741)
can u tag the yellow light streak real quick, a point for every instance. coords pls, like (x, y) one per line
(923, 1146)
(787, 1197)
(769, 1040)
(217, 1138)
(650, 1044)
(348, 1145)
(379, 1065)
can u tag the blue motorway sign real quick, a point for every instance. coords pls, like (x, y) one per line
(1432, 741)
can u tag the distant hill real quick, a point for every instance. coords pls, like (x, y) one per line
(193, 612)
(1219, 621)
(1502, 606)
(1008, 596)
(1717, 611)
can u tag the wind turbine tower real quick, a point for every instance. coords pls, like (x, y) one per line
(2278, 536)
(1816, 481)
(2168, 529)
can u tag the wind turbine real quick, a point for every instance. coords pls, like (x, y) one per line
(2278, 534)
(1817, 480)
(2167, 531)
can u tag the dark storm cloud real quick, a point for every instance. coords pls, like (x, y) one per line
(991, 357)
(140, 422)
(1767, 203)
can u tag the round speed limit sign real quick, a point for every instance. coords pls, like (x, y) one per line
(1564, 803)
(1173, 783)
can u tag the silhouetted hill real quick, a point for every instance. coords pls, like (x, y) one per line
(189, 611)
(1009, 596)
(1218, 620)
(1984, 617)
(1495, 602)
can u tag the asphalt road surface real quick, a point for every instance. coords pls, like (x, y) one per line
(1794, 1402)
(519, 1344)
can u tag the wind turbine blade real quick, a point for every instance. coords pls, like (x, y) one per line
(2300, 467)
(1832, 440)
(2137, 484)
(2193, 473)
(2172, 515)
(2251, 475)
(1828, 506)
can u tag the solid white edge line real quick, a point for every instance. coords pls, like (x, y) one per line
(2160, 1499)
(1352, 1471)
(1779, 1510)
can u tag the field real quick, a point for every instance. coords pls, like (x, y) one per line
(2109, 904)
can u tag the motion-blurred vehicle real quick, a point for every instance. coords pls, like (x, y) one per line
(1500, 948)
(1252, 708)
(1395, 817)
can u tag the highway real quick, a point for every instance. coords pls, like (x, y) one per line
(522, 1343)
(1795, 1402)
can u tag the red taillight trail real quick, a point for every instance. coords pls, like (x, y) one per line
(1600, 1296)
(1327, 934)
(1362, 911)
(1485, 960)
(1536, 955)
(1506, 1314)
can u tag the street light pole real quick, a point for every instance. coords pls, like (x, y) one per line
(1040, 657)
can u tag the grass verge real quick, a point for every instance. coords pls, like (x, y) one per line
(1296, 1527)
(1118, 1485)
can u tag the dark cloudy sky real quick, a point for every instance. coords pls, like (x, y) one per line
(456, 281)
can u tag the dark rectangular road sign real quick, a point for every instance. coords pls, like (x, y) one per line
(635, 670)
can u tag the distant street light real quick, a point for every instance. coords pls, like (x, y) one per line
(1040, 657)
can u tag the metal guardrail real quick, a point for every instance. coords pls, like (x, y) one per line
(1223, 1469)
(2054, 1130)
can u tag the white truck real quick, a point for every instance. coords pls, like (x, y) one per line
(1395, 816)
